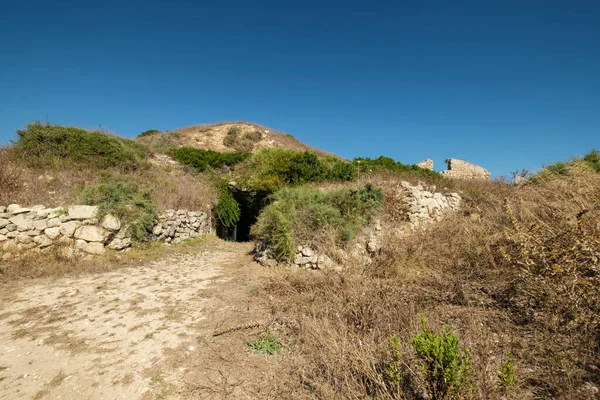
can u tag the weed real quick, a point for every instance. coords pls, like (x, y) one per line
(506, 374)
(266, 343)
(445, 369)
(149, 336)
(393, 368)
(149, 132)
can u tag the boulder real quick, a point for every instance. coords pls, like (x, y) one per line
(40, 224)
(307, 252)
(68, 228)
(95, 248)
(22, 222)
(120, 244)
(83, 212)
(53, 222)
(3, 222)
(111, 223)
(91, 233)
(52, 233)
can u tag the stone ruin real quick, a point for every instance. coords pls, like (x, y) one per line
(458, 169)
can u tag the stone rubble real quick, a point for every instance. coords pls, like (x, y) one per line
(78, 228)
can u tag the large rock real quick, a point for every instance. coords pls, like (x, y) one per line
(120, 244)
(40, 224)
(52, 233)
(3, 222)
(68, 228)
(461, 169)
(22, 222)
(53, 222)
(111, 223)
(95, 248)
(91, 233)
(16, 209)
(82, 212)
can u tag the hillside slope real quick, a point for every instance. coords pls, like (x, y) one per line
(214, 137)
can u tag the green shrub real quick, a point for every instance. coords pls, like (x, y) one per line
(266, 343)
(506, 375)
(591, 162)
(149, 132)
(271, 169)
(45, 145)
(393, 368)
(125, 200)
(386, 163)
(300, 214)
(201, 160)
(235, 140)
(445, 369)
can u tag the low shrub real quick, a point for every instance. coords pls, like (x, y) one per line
(202, 160)
(227, 210)
(303, 215)
(445, 369)
(125, 200)
(45, 145)
(266, 343)
(591, 162)
(243, 143)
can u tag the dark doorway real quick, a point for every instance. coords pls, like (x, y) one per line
(251, 204)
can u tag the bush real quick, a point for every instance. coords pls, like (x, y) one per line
(235, 140)
(253, 136)
(267, 343)
(149, 132)
(126, 201)
(445, 369)
(302, 214)
(574, 166)
(45, 145)
(271, 169)
(201, 160)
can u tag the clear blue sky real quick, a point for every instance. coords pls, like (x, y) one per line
(507, 84)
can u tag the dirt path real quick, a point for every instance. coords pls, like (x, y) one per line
(127, 334)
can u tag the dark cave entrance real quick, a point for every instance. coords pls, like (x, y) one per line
(251, 204)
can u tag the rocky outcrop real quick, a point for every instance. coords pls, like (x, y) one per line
(461, 169)
(78, 228)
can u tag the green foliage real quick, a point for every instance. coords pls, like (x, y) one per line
(239, 142)
(272, 169)
(46, 145)
(266, 343)
(228, 210)
(126, 201)
(445, 369)
(297, 213)
(393, 370)
(201, 160)
(149, 132)
(593, 160)
(507, 374)
(386, 163)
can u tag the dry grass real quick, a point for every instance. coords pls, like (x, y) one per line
(173, 187)
(476, 275)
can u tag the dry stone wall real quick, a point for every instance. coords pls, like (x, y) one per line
(461, 169)
(78, 227)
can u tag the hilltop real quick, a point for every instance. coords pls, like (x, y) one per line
(228, 137)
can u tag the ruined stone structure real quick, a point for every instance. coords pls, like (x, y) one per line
(461, 169)
(79, 230)
(427, 164)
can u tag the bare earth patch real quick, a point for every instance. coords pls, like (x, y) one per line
(144, 332)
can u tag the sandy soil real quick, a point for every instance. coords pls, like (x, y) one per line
(144, 332)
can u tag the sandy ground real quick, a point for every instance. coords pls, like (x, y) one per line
(143, 332)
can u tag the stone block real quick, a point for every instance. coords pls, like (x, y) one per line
(111, 223)
(83, 212)
(53, 222)
(94, 248)
(120, 244)
(3, 222)
(40, 224)
(52, 233)
(91, 233)
(68, 228)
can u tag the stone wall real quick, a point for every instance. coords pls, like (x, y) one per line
(427, 205)
(461, 169)
(427, 164)
(77, 227)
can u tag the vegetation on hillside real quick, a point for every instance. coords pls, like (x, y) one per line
(383, 163)
(306, 215)
(202, 160)
(575, 166)
(46, 145)
(149, 132)
(125, 200)
(515, 275)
